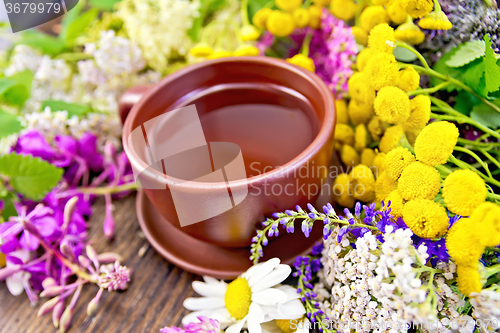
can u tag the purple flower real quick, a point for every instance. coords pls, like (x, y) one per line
(33, 143)
(265, 42)
(114, 277)
(87, 149)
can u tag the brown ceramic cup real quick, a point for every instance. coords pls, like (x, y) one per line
(236, 227)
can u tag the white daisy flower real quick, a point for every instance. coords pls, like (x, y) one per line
(246, 302)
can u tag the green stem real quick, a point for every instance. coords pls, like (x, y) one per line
(480, 145)
(444, 170)
(429, 90)
(132, 186)
(307, 43)
(244, 12)
(492, 270)
(437, 6)
(477, 158)
(415, 52)
(464, 165)
(491, 158)
(493, 196)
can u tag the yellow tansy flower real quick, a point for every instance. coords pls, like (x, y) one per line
(315, 13)
(360, 88)
(381, 38)
(486, 223)
(301, 17)
(468, 279)
(397, 203)
(343, 9)
(419, 181)
(220, 54)
(409, 79)
(260, 18)
(381, 2)
(201, 51)
(360, 34)
(397, 13)
(392, 136)
(363, 183)
(349, 156)
(462, 243)
(436, 20)
(341, 111)
(342, 190)
(367, 156)
(288, 5)
(322, 3)
(372, 16)
(359, 113)
(396, 161)
(420, 113)
(426, 218)
(392, 105)
(383, 70)
(246, 51)
(463, 191)
(435, 143)
(361, 137)
(376, 128)
(418, 8)
(249, 33)
(409, 33)
(363, 57)
(280, 24)
(344, 134)
(378, 165)
(384, 186)
(302, 61)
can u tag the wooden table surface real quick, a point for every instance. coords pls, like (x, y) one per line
(152, 301)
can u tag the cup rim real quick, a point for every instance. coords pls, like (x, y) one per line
(324, 134)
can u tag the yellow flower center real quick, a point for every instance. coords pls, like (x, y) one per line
(238, 298)
(285, 325)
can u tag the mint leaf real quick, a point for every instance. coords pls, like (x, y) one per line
(16, 89)
(73, 109)
(485, 115)
(78, 26)
(30, 176)
(74, 56)
(47, 44)
(465, 102)
(466, 53)
(474, 76)
(491, 71)
(104, 4)
(9, 124)
(444, 69)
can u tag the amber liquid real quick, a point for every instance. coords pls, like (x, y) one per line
(271, 126)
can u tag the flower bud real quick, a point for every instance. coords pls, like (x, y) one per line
(68, 211)
(66, 318)
(109, 224)
(57, 313)
(84, 261)
(109, 257)
(48, 306)
(91, 253)
(48, 282)
(66, 250)
(52, 291)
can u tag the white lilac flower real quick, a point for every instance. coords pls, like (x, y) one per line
(6, 143)
(248, 301)
(23, 57)
(148, 23)
(486, 306)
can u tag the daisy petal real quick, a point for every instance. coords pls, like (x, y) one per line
(209, 290)
(257, 274)
(255, 313)
(291, 310)
(211, 280)
(204, 303)
(291, 292)
(254, 327)
(275, 277)
(236, 327)
(269, 297)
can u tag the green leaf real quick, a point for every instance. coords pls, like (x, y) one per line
(254, 6)
(104, 4)
(8, 206)
(30, 176)
(69, 18)
(491, 71)
(404, 55)
(47, 44)
(207, 8)
(77, 56)
(16, 89)
(485, 115)
(444, 69)
(78, 26)
(466, 53)
(9, 124)
(465, 102)
(73, 109)
(474, 75)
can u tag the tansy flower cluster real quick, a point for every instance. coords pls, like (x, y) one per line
(400, 13)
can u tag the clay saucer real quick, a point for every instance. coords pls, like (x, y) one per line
(204, 258)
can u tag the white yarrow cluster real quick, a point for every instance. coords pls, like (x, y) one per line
(385, 287)
(160, 28)
(487, 308)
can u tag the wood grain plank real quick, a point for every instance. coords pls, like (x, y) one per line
(153, 300)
